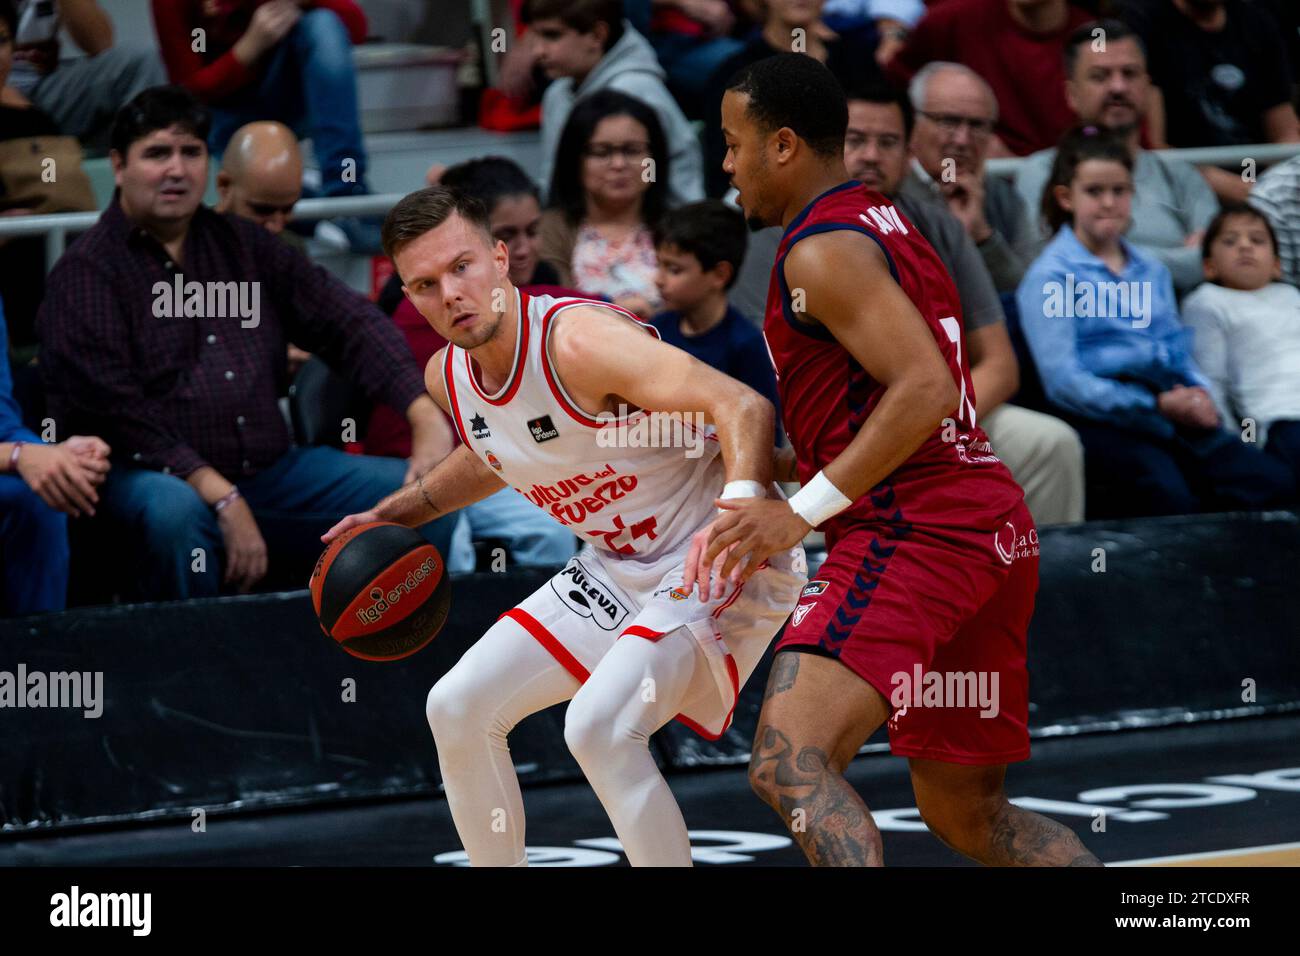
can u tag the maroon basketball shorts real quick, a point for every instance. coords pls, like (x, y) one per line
(936, 620)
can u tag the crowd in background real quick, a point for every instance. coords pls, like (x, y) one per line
(1132, 321)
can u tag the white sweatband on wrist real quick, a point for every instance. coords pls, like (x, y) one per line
(819, 500)
(743, 489)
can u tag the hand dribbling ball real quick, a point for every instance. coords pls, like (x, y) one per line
(381, 591)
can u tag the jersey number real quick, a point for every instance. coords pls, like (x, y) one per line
(953, 328)
(620, 539)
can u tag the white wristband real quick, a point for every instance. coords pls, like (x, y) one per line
(819, 500)
(743, 489)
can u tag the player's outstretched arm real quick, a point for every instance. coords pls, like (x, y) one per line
(872, 317)
(458, 480)
(604, 359)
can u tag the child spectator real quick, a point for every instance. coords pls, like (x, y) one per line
(609, 187)
(1246, 332)
(1100, 318)
(699, 249)
(586, 46)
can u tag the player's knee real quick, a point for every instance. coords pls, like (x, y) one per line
(963, 823)
(450, 712)
(592, 737)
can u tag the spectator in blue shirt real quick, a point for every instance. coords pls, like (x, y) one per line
(1102, 322)
(40, 485)
(699, 248)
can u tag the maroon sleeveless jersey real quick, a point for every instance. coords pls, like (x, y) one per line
(953, 480)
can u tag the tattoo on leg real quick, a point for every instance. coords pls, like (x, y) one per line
(1021, 838)
(784, 670)
(836, 827)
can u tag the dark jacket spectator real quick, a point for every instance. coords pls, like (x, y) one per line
(1020, 58)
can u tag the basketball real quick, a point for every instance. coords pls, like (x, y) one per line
(381, 591)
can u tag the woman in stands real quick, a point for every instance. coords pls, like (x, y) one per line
(610, 186)
(1102, 322)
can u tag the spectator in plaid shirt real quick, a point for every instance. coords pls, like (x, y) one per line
(188, 402)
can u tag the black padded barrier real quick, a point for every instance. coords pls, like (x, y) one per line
(238, 703)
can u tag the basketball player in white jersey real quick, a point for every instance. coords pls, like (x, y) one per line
(529, 383)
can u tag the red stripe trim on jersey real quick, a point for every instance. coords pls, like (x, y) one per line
(449, 383)
(735, 696)
(548, 641)
(507, 391)
(552, 379)
(636, 630)
(571, 664)
(729, 601)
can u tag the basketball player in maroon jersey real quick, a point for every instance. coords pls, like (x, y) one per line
(933, 558)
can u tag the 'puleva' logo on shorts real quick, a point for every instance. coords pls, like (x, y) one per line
(585, 596)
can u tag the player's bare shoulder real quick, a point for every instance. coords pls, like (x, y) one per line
(433, 378)
(832, 256)
(584, 336)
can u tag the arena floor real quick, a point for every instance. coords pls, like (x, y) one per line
(1166, 797)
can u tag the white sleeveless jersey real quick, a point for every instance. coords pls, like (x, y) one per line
(642, 501)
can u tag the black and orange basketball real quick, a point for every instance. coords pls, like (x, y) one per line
(381, 591)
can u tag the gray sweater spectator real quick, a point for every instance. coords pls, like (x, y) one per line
(1172, 202)
(582, 59)
(956, 112)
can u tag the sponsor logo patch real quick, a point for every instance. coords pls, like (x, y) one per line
(674, 594)
(587, 597)
(478, 427)
(493, 460)
(542, 429)
(815, 587)
(801, 612)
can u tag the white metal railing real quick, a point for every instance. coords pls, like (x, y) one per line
(1229, 157)
(57, 227)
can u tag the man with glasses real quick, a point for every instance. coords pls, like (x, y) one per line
(1015, 45)
(1172, 202)
(956, 113)
(1043, 453)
